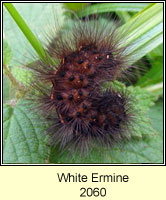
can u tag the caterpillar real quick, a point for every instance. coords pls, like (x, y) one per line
(69, 92)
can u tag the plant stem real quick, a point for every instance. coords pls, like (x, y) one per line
(26, 30)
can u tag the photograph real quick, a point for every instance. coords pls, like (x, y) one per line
(83, 83)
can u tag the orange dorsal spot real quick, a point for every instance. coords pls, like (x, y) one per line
(55, 72)
(80, 48)
(60, 116)
(63, 60)
(52, 96)
(84, 65)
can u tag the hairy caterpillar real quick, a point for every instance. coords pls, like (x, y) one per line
(69, 93)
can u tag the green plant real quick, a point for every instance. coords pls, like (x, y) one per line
(23, 137)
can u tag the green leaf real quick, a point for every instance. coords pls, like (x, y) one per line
(157, 52)
(144, 32)
(75, 6)
(8, 89)
(156, 90)
(142, 101)
(26, 30)
(152, 80)
(145, 150)
(23, 136)
(7, 53)
(109, 7)
(124, 16)
(23, 75)
(155, 74)
(41, 19)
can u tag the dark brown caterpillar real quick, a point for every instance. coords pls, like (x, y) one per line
(69, 94)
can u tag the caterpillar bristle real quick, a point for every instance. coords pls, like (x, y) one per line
(69, 93)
